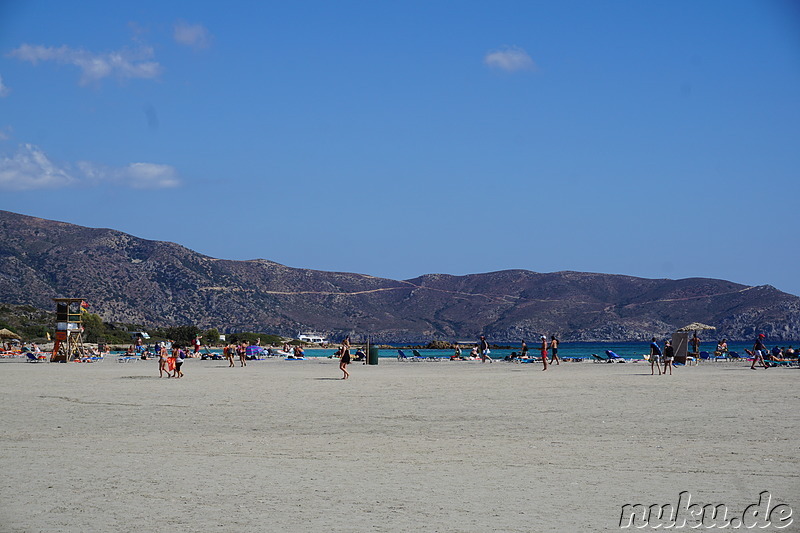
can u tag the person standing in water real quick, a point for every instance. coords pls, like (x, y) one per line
(554, 350)
(543, 350)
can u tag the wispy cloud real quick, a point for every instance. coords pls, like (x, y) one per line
(4, 90)
(135, 175)
(510, 59)
(195, 35)
(122, 64)
(30, 168)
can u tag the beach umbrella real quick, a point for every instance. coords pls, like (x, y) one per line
(8, 334)
(696, 326)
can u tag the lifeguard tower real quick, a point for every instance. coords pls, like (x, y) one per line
(69, 330)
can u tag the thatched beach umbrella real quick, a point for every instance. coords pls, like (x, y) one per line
(8, 334)
(696, 326)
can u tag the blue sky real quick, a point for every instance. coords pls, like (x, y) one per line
(658, 139)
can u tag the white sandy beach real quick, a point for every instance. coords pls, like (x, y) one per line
(446, 447)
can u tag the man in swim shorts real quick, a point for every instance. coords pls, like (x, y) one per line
(554, 350)
(655, 356)
(484, 350)
(758, 352)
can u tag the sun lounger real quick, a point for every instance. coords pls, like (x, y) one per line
(599, 358)
(780, 362)
(401, 356)
(420, 357)
(614, 358)
(35, 358)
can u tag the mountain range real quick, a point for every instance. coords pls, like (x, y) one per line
(133, 280)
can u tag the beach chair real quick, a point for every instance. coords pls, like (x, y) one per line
(599, 358)
(780, 362)
(419, 357)
(614, 358)
(734, 356)
(704, 356)
(34, 358)
(401, 356)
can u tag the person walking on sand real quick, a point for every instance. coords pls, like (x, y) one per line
(655, 356)
(483, 347)
(197, 345)
(543, 350)
(179, 358)
(171, 362)
(758, 352)
(163, 355)
(242, 351)
(554, 349)
(227, 351)
(344, 360)
(669, 355)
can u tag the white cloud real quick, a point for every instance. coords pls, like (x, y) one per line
(4, 90)
(135, 175)
(30, 168)
(194, 35)
(510, 59)
(124, 64)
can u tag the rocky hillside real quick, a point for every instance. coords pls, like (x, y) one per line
(128, 279)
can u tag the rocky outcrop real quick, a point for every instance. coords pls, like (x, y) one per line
(134, 280)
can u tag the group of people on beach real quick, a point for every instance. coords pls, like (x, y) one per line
(482, 351)
(170, 362)
(231, 351)
(657, 357)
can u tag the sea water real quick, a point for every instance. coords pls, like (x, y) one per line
(627, 350)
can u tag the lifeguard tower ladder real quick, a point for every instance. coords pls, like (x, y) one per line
(69, 330)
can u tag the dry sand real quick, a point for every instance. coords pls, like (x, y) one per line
(461, 446)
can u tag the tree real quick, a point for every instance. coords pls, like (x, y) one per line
(211, 336)
(93, 327)
(182, 334)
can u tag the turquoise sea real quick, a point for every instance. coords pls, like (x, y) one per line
(627, 350)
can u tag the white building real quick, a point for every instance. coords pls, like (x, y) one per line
(315, 338)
